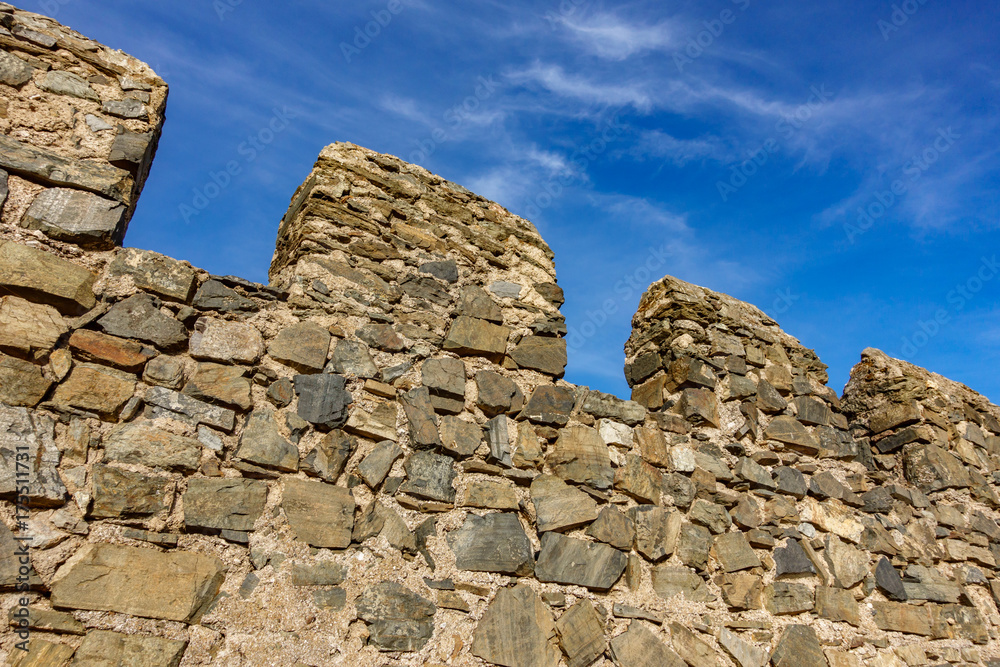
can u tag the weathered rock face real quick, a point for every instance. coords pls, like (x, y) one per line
(375, 454)
(91, 177)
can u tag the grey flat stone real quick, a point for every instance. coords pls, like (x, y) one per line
(31, 435)
(14, 71)
(262, 443)
(398, 619)
(155, 273)
(351, 357)
(223, 504)
(559, 506)
(142, 443)
(303, 346)
(566, 560)
(83, 218)
(319, 514)
(492, 543)
(138, 317)
(127, 108)
(43, 278)
(323, 399)
(51, 169)
(430, 476)
(67, 83)
(422, 420)
(376, 465)
(213, 295)
(328, 458)
(197, 411)
(123, 493)
(515, 630)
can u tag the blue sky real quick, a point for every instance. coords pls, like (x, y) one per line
(834, 162)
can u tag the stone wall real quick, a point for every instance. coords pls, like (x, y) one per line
(373, 460)
(79, 124)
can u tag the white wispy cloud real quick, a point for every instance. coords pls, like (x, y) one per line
(611, 37)
(661, 144)
(554, 79)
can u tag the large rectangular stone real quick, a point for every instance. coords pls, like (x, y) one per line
(155, 273)
(95, 389)
(174, 586)
(197, 411)
(45, 166)
(146, 445)
(73, 216)
(224, 504)
(27, 434)
(27, 327)
(319, 514)
(44, 278)
(566, 560)
(471, 336)
(102, 647)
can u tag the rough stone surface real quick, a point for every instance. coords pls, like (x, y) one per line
(492, 543)
(323, 399)
(130, 580)
(579, 455)
(639, 647)
(515, 631)
(321, 515)
(155, 273)
(95, 389)
(431, 476)
(398, 619)
(559, 506)
(541, 353)
(799, 647)
(147, 445)
(225, 342)
(138, 317)
(567, 560)
(263, 444)
(581, 634)
(101, 647)
(217, 383)
(123, 493)
(43, 278)
(22, 383)
(469, 336)
(224, 504)
(86, 219)
(302, 346)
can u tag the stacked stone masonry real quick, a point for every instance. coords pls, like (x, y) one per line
(373, 460)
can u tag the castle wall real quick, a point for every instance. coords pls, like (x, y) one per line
(374, 459)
